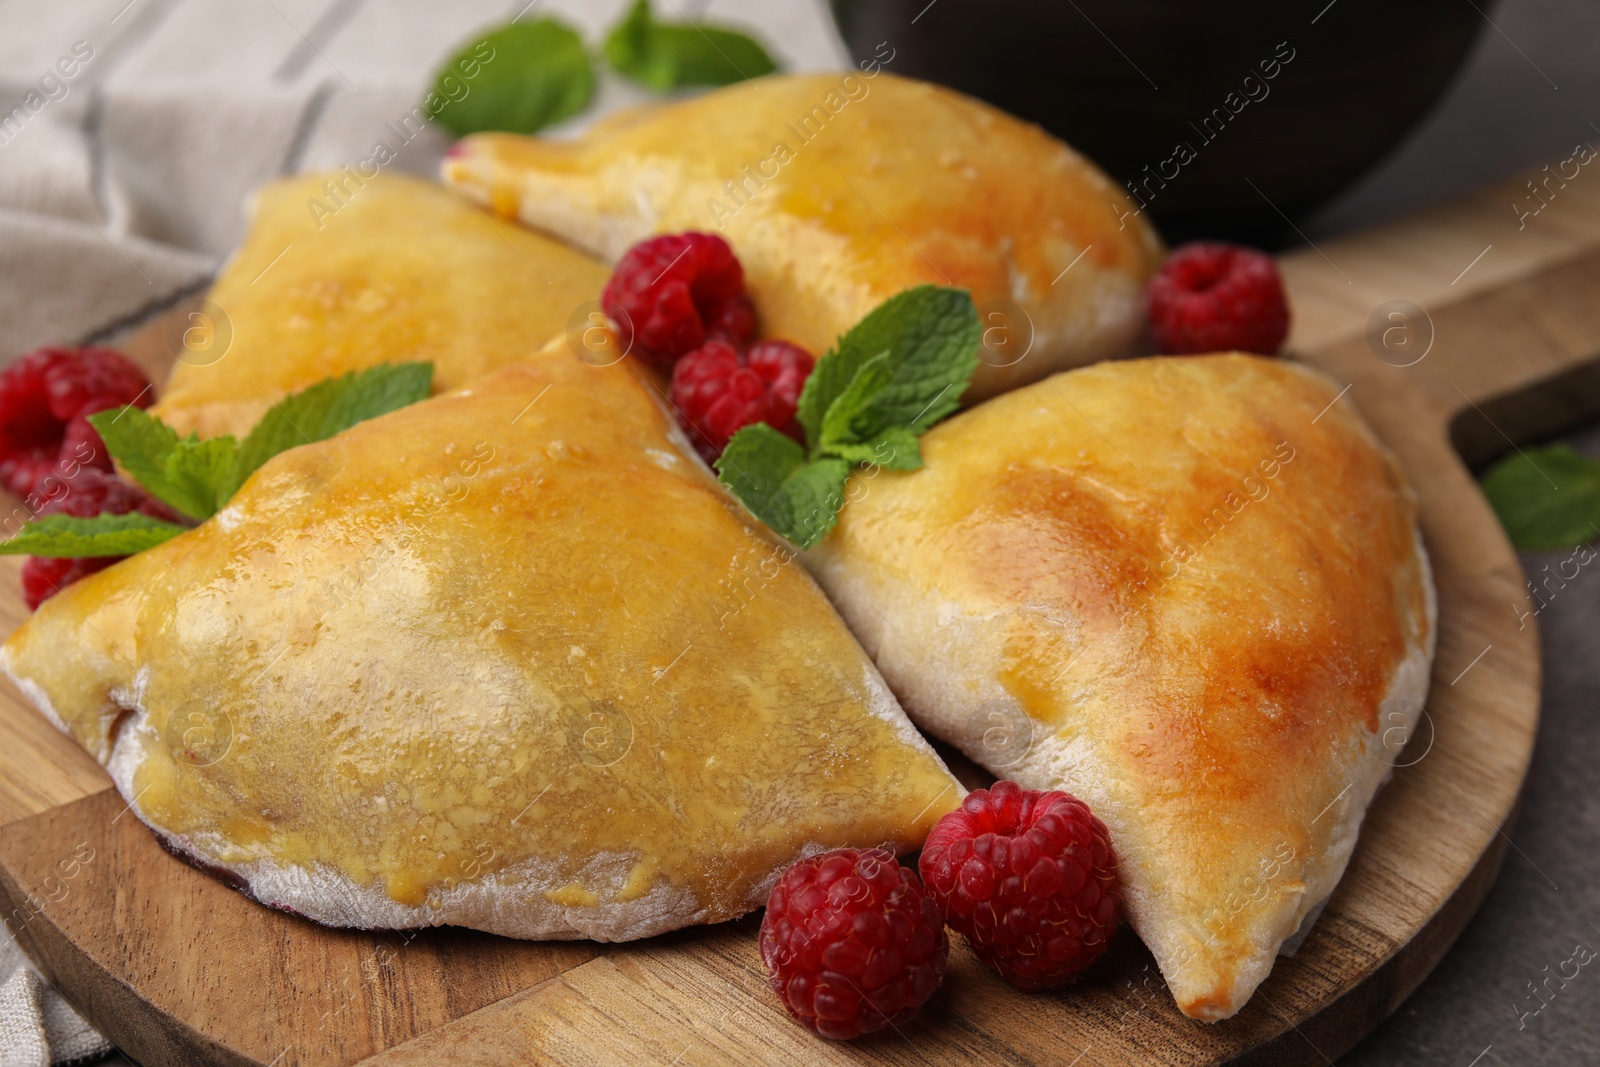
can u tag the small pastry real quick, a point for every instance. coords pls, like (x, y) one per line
(340, 273)
(507, 658)
(1191, 592)
(838, 192)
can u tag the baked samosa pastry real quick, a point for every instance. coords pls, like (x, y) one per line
(1198, 583)
(481, 662)
(839, 191)
(340, 273)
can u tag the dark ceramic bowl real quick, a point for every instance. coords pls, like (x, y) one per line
(1226, 118)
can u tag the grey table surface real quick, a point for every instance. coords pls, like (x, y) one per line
(1531, 90)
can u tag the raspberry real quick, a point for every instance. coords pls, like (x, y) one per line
(81, 444)
(30, 436)
(1214, 297)
(90, 492)
(716, 391)
(852, 942)
(1029, 878)
(94, 492)
(24, 469)
(43, 394)
(670, 294)
(91, 380)
(43, 578)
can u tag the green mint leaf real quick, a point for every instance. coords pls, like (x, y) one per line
(140, 442)
(838, 422)
(519, 78)
(184, 473)
(754, 465)
(770, 475)
(69, 537)
(667, 55)
(931, 334)
(201, 469)
(198, 477)
(895, 449)
(327, 408)
(1546, 498)
(814, 495)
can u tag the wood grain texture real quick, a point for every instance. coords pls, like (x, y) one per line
(37, 772)
(180, 957)
(1432, 257)
(179, 969)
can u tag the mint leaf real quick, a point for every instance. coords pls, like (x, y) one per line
(770, 475)
(895, 449)
(199, 477)
(67, 536)
(183, 473)
(140, 442)
(324, 409)
(838, 422)
(932, 335)
(1546, 498)
(814, 494)
(520, 78)
(666, 55)
(754, 465)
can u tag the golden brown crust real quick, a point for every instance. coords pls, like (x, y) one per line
(506, 658)
(1200, 580)
(838, 191)
(392, 269)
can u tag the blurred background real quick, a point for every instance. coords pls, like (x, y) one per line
(128, 183)
(1272, 123)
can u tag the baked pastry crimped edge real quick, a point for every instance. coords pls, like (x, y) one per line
(838, 191)
(1223, 858)
(404, 680)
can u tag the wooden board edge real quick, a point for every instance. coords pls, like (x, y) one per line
(1349, 1019)
(131, 1023)
(1333, 1030)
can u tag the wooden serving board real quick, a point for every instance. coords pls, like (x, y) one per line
(176, 968)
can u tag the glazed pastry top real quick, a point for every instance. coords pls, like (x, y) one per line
(338, 273)
(1199, 583)
(506, 630)
(839, 191)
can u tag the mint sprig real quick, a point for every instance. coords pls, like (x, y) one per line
(524, 76)
(1547, 498)
(887, 381)
(67, 536)
(521, 77)
(771, 476)
(198, 477)
(184, 473)
(668, 55)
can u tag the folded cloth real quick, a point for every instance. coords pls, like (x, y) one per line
(37, 1026)
(132, 131)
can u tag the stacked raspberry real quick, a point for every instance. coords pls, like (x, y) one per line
(853, 942)
(46, 398)
(52, 458)
(679, 303)
(91, 492)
